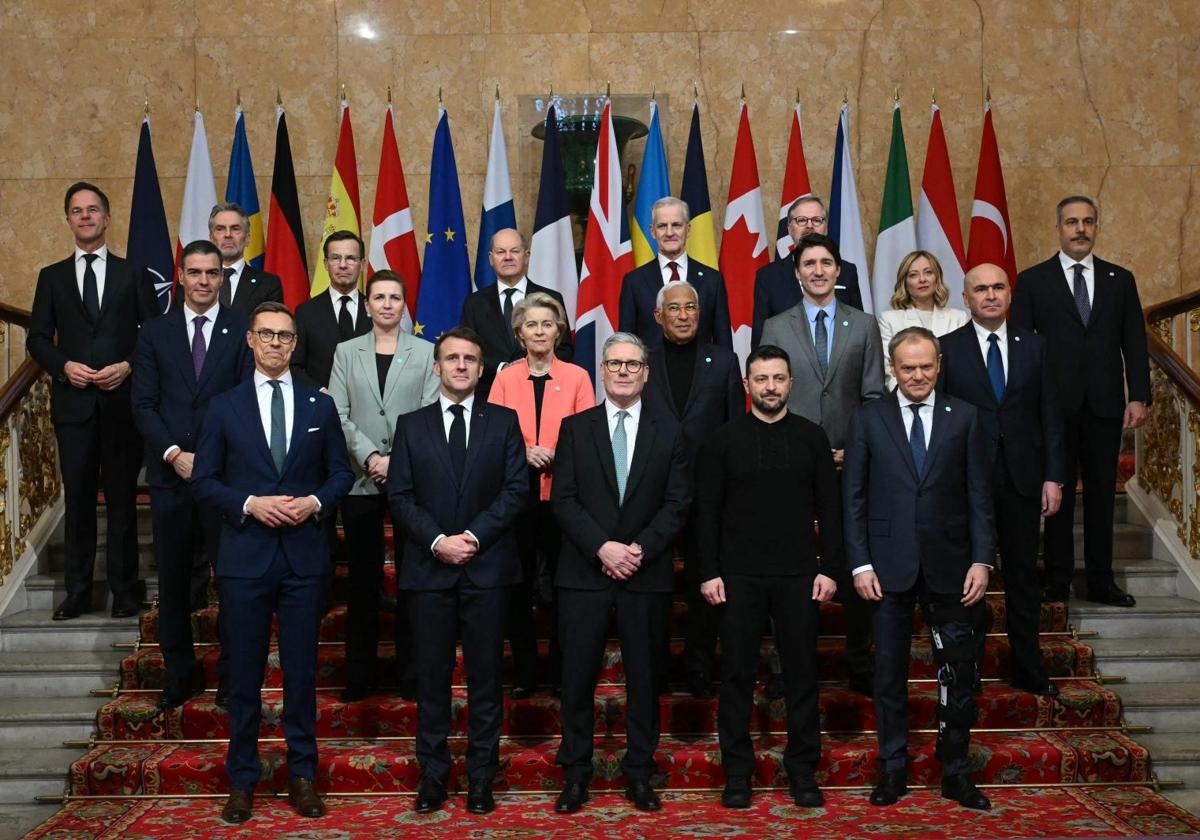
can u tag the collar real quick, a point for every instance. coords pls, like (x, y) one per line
(681, 261)
(101, 252)
(445, 402)
(261, 378)
(337, 296)
(905, 401)
(238, 267)
(1066, 263)
(521, 286)
(811, 309)
(983, 332)
(190, 314)
(635, 410)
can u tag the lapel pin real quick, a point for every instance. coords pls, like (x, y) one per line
(1016, 338)
(253, 280)
(708, 360)
(948, 408)
(314, 399)
(224, 331)
(845, 323)
(557, 388)
(1112, 274)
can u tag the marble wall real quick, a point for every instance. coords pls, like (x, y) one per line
(1093, 96)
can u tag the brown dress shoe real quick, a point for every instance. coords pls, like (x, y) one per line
(238, 806)
(302, 796)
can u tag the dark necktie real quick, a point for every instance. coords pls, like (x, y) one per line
(674, 266)
(821, 340)
(198, 348)
(1081, 296)
(345, 320)
(995, 367)
(507, 308)
(91, 292)
(916, 438)
(458, 440)
(226, 295)
(278, 426)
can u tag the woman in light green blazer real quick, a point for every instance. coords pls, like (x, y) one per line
(376, 378)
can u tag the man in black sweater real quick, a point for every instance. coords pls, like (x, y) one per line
(754, 474)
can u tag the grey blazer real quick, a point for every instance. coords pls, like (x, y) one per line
(855, 370)
(368, 420)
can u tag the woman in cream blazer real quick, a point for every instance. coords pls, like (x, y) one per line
(919, 300)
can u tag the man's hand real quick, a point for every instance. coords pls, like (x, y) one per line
(302, 508)
(839, 456)
(111, 376)
(271, 511)
(1135, 414)
(457, 550)
(867, 586)
(1051, 498)
(539, 457)
(824, 588)
(182, 464)
(79, 374)
(975, 586)
(713, 591)
(377, 467)
(619, 560)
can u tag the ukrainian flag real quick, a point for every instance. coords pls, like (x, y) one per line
(240, 188)
(653, 184)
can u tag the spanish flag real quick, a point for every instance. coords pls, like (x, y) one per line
(341, 205)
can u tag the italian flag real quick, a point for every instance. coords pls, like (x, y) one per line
(897, 229)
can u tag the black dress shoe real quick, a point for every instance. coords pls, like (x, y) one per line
(1114, 597)
(963, 791)
(864, 685)
(699, 685)
(407, 689)
(302, 796)
(890, 787)
(221, 699)
(431, 796)
(238, 807)
(1042, 689)
(479, 797)
(572, 798)
(775, 689)
(521, 692)
(806, 794)
(72, 606)
(353, 693)
(643, 797)
(176, 693)
(737, 793)
(125, 608)
(1051, 594)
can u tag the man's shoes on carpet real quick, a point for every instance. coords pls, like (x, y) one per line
(863, 684)
(125, 607)
(774, 689)
(73, 606)
(643, 797)
(302, 796)
(1054, 593)
(431, 796)
(737, 793)
(1114, 596)
(572, 798)
(176, 694)
(962, 790)
(1044, 688)
(522, 692)
(221, 699)
(699, 685)
(891, 786)
(806, 794)
(479, 797)
(238, 807)
(353, 692)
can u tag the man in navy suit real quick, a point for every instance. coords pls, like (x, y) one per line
(1002, 370)
(457, 481)
(917, 502)
(271, 460)
(670, 226)
(183, 360)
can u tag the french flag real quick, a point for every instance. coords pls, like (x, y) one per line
(552, 250)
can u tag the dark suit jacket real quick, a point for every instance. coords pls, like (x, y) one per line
(168, 402)
(585, 502)
(254, 287)
(233, 461)
(317, 337)
(424, 495)
(482, 313)
(639, 289)
(717, 395)
(61, 332)
(1027, 425)
(777, 290)
(899, 523)
(1087, 362)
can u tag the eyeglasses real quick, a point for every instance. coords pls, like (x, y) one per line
(267, 336)
(676, 308)
(631, 365)
(815, 221)
(343, 258)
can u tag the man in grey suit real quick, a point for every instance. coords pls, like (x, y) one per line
(837, 362)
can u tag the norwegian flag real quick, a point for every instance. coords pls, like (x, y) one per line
(607, 256)
(393, 243)
(795, 184)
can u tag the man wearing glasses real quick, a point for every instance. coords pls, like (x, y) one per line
(776, 286)
(336, 315)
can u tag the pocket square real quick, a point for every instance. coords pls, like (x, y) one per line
(315, 429)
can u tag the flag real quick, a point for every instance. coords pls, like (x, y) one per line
(653, 184)
(845, 223)
(702, 242)
(149, 242)
(607, 256)
(552, 251)
(795, 184)
(285, 246)
(393, 243)
(897, 230)
(240, 188)
(744, 245)
(938, 229)
(498, 212)
(341, 206)
(199, 191)
(991, 232)
(447, 271)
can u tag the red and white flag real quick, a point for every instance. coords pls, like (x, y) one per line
(744, 245)
(393, 243)
(991, 233)
(938, 228)
(795, 184)
(199, 192)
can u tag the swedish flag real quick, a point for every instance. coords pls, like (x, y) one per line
(240, 188)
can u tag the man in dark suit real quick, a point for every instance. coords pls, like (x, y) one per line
(1002, 370)
(700, 389)
(917, 503)
(271, 460)
(1089, 312)
(86, 313)
(245, 286)
(776, 286)
(335, 315)
(458, 481)
(183, 360)
(488, 311)
(670, 225)
(621, 494)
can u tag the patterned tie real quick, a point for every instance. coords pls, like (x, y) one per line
(995, 367)
(674, 266)
(1081, 296)
(916, 438)
(345, 320)
(226, 294)
(278, 426)
(508, 310)
(620, 447)
(91, 293)
(458, 440)
(821, 340)
(198, 348)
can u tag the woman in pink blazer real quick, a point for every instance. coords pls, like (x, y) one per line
(542, 390)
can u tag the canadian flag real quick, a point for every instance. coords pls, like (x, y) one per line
(744, 243)
(393, 243)
(991, 232)
(795, 184)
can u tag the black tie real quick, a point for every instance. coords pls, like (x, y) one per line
(916, 438)
(508, 310)
(1081, 296)
(278, 426)
(458, 441)
(226, 295)
(821, 341)
(91, 293)
(345, 321)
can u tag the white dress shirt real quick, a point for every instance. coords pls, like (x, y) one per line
(99, 268)
(265, 393)
(189, 319)
(336, 297)
(982, 333)
(521, 286)
(681, 261)
(448, 418)
(631, 427)
(235, 278)
(1089, 274)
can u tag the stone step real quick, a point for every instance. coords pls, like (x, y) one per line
(33, 630)
(1128, 541)
(36, 771)
(1136, 575)
(17, 820)
(1186, 798)
(1149, 659)
(1154, 616)
(65, 673)
(55, 555)
(45, 721)
(1174, 755)
(1167, 706)
(45, 591)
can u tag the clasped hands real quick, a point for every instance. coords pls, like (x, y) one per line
(377, 467)
(281, 511)
(106, 379)
(620, 561)
(539, 457)
(457, 550)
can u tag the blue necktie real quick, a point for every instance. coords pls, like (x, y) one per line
(1081, 295)
(995, 366)
(916, 438)
(620, 447)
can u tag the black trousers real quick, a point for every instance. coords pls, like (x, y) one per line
(1092, 445)
(537, 536)
(702, 624)
(583, 628)
(103, 451)
(788, 601)
(436, 616)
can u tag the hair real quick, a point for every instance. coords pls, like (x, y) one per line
(625, 338)
(901, 299)
(339, 236)
(268, 306)
(804, 199)
(1076, 199)
(674, 284)
(670, 201)
(913, 334)
(386, 276)
(520, 236)
(227, 207)
(539, 300)
(814, 240)
(80, 186)
(461, 332)
(765, 352)
(199, 246)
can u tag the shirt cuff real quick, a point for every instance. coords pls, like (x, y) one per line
(246, 507)
(171, 450)
(472, 536)
(436, 540)
(987, 566)
(318, 501)
(857, 570)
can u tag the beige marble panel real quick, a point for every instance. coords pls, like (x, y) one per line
(1189, 254)
(1150, 247)
(1125, 14)
(47, 19)
(266, 22)
(1188, 95)
(773, 16)
(540, 16)
(146, 18)
(920, 14)
(1005, 15)
(384, 18)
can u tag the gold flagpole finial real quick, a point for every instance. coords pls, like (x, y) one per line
(497, 93)
(987, 94)
(551, 90)
(197, 104)
(146, 107)
(695, 91)
(343, 92)
(797, 96)
(933, 95)
(743, 91)
(238, 97)
(439, 94)
(278, 98)
(897, 93)
(653, 94)
(389, 95)
(845, 96)
(608, 90)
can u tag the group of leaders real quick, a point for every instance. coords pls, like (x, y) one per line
(882, 463)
